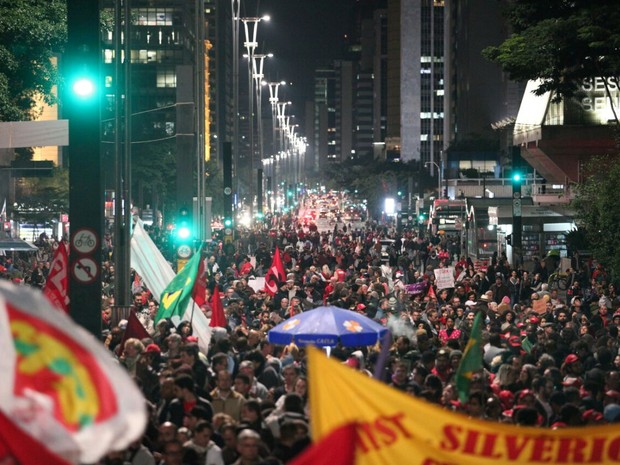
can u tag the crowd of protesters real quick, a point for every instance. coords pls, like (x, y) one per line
(551, 357)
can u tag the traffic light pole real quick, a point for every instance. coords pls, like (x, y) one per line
(81, 106)
(517, 219)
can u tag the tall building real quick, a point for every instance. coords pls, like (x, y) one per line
(324, 136)
(179, 94)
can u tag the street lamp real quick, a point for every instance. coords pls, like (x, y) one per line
(439, 173)
(250, 27)
(273, 100)
(257, 73)
(282, 122)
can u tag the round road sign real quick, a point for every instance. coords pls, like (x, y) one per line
(85, 270)
(84, 241)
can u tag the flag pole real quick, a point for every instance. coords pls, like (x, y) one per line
(191, 317)
(386, 342)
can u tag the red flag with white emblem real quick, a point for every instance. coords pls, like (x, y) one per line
(276, 275)
(60, 385)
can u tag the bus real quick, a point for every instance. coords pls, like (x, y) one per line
(447, 215)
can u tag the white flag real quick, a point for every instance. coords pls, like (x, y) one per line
(157, 273)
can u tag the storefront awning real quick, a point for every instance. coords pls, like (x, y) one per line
(16, 245)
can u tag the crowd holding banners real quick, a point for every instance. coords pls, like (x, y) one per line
(550, 359)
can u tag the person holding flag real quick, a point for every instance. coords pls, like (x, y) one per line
(471, 361)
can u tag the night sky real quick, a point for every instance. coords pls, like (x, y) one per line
(302, 35)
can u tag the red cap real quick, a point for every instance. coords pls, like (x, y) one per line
(571, 358)
(514, 341)
(153, 348)
(192, 339)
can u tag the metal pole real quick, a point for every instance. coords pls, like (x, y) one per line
(250, 26)
(235, 8)
(122, 197)
(199, 82)
(258, 62)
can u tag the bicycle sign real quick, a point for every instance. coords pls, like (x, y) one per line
(84, 241)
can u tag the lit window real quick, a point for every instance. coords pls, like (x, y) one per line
(166, 78)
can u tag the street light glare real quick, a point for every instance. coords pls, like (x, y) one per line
(266, 18)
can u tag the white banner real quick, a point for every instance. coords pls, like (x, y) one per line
(444, 278)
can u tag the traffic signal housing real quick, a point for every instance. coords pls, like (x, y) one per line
(183, 230)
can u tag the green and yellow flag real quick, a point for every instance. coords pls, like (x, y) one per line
(176, 296)
(471, 361)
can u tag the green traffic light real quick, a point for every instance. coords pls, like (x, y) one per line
(84, 87)
(516, 177)
(183, 232)
(228, 222)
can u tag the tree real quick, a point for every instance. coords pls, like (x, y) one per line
(598, 211)
(31, 34)
(561, 43)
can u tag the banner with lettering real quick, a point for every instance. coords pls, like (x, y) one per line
(416, 288)
(444, 278)
(395, 428)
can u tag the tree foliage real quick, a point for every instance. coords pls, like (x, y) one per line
(31, 34)
(560, 43)
(598, 211)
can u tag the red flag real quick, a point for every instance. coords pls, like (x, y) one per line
(200, 285)
(56, 287)
(134, 329)
(218, 319)
(16, 446)
(275, 275)
(431, 292)
(341, 446)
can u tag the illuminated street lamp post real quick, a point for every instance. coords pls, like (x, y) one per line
(273, 100)
(250, 27)
(258, 62)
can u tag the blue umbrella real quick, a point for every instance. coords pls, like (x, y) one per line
(326, 327)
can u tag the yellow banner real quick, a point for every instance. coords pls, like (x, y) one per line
(396, 428)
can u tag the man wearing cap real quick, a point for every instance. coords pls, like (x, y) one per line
(442, 368)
